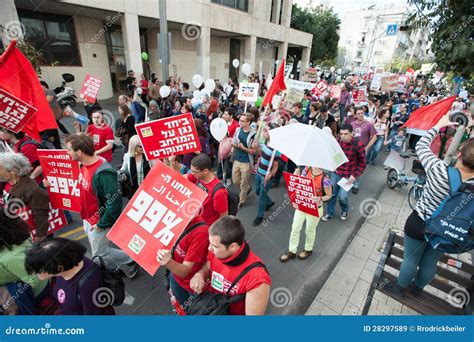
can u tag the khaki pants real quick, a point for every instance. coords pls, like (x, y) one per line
(241, 176)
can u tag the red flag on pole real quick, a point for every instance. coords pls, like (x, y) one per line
(426, 117)
(278, 84)
(18, 77)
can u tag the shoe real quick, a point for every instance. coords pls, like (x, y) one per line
(355, 191)
(326, 217)
(415, 290)
(240, 205)
(257, 221)
(304, 255)
(397, 290)
(344, 216)
(287, 256)
(133, 270)
(267, 208)
(248, 192)
(275, 185)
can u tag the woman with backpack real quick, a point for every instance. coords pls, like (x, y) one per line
(78, 286)
(420, 259)
(323, 190)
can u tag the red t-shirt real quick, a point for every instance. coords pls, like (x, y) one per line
(222, 277)
(212, 207)
(89, 201)
(232, 128)
(30, 151)
(100, 136)
(192, 248)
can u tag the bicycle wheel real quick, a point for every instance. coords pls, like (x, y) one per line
(392, 178)
(414, 195)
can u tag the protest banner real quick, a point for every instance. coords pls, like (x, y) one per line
(335, 92)
(310, 75)
(90, 88)
(359, 96)
(299, 85)
(376, 82)
(292, 96)
(169, 136)
(301, 193)
(389, 83)
(14, 112)
(248, 92)
(320, 88)
(402, 82)
(156, 215)
(63, 175)
(56, 219)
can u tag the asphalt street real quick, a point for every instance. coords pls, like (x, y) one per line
(294, 284)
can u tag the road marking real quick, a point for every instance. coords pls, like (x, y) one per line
(80, 237)
(71, 232)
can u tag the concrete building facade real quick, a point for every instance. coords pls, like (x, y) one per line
(107, 37)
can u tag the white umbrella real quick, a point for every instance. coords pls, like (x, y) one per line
(308, 145)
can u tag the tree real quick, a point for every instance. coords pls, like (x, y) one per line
(452, 31)
(401, 65)
(323, 25)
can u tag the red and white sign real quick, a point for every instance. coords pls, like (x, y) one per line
(358, 95)
(156, 215)
(170, 136)
(320, 88)
(335, 92)
(63, 174)
(248, 92)
(301, 193)
(402, 82)
(90, 88)
(56, 219)
(14, 112)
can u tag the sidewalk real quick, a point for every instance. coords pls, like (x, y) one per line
(345, 291)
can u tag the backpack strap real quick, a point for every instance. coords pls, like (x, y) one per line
(218, 186)
(26, 142)
(454, 178)
(244, 272)
(91, 270)
(184, 233)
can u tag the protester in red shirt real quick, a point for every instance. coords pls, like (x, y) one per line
(229, 255)
(188, 257)
(101, 134)
(229, 116)
(215, 204)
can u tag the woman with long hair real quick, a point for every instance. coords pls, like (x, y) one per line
(127, 125)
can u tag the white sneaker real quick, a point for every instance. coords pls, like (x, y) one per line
(344, 216)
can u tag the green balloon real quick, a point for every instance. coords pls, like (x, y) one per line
(259, 102)
(144, 56)
(244, 81)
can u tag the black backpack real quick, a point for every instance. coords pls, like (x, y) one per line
(43, 145)
(112, 280)
(232, 197)
(218, 303)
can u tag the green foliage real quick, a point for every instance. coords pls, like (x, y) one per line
(451, 23)
(401, 65)
(31, 53)
(323, 25)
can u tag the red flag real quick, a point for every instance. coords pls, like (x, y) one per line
(19, 78)
(278, 84)
(426, 117)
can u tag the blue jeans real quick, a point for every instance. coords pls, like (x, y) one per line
(375, 149)
(181, 294)
(262, 191)
(420, 262)
(337, 193)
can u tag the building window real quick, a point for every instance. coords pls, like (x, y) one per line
(242, 5)
(53, 35)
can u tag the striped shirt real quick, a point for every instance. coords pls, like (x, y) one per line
(437, 184)
(264, 162)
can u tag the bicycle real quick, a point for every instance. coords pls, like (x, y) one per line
(398, 179)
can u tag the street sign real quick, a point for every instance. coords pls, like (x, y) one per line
(392, 29)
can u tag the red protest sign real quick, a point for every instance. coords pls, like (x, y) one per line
(56, 219)
(90, 88)
(301, 193)
(63, 174)
(358, 96)
(156, 215)
(335, 92)
(170, 136)
(320, 88)
(14, 112)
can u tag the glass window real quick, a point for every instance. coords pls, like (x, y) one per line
(53, 35)
(242, 5)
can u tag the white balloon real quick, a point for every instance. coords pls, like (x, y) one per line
(165, 91)
(246, 69)
(205, 92)
(327, 130)
(235, 63)
(196, 94)
(219, 128)
(197, 80)
(332, 69)
(292, 76)
(210, 85)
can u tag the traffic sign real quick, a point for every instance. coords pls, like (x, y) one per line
(392, 29)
